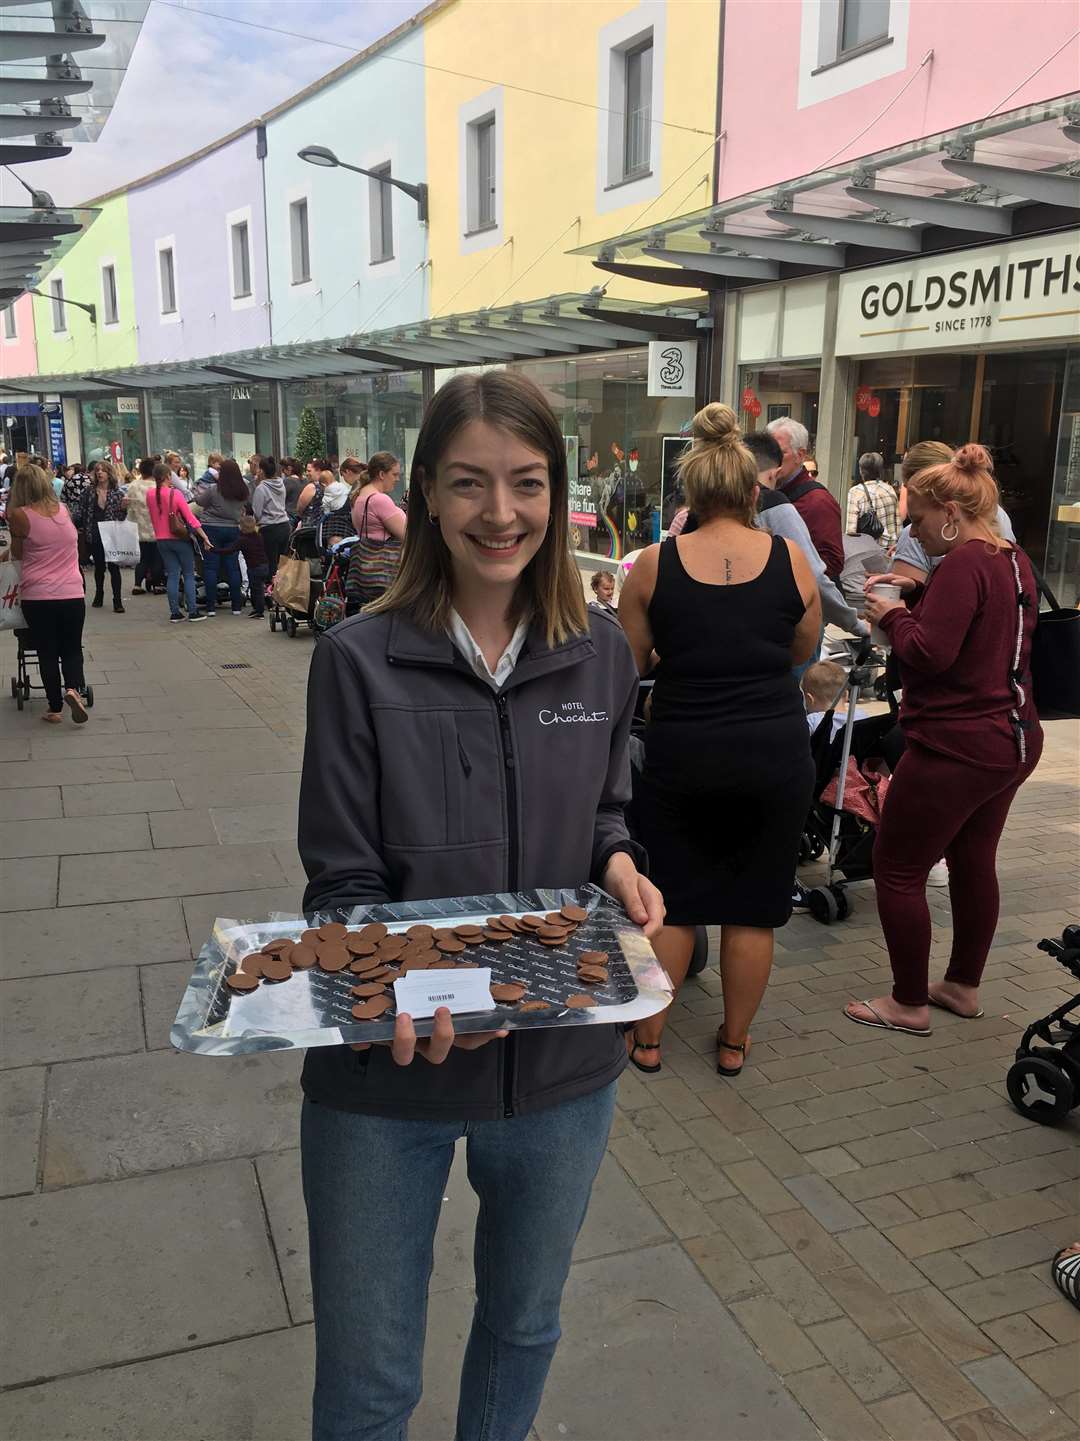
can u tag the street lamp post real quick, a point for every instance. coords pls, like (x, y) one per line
(319, 155)
(90, 309)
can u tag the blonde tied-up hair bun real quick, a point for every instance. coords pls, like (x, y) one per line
(971, 459)
(718, 473)
(716, 424)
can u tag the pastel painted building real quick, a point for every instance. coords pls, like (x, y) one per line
(20, 415)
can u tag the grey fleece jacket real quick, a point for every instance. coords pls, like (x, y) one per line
(419, 781)
(268, 502)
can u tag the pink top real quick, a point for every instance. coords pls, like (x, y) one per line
(50, 558)
(171, 500)
(378, 505)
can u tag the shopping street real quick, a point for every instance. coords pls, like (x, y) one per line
(850, 1241)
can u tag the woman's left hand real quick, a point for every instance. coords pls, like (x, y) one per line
(876, 606)
(636, 894)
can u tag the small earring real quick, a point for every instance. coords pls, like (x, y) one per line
(433, 519)
(948, 539)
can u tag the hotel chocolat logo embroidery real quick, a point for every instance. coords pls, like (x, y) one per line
(572, 712)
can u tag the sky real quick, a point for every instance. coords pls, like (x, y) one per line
(193, 78)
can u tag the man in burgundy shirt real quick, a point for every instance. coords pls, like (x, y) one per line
(819, 509)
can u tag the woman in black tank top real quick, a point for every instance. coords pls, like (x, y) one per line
(728, 611)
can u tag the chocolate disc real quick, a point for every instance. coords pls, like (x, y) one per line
(464, 932)
(535, 1006)
(531, 923)
(445, 963)
(242, 981)
(494, 935)
(253, 963)
(509, 991)
(553, 933)
(333, 958)
(581, 1002)
(415, 963)
(391, 976)
(371, 1010)
(373, 973)
(392, 946)
(357, 946)
(275, 948)
(577, 914)
(467, 966)
(333, 931)
(302, 958)
(593, 978)
(309, 938)
(509, 923)
(593, 958)
(556, 918)
(368, 988)
(373, 931)
(276, 969)
(423, 933)
(452, 946)
(553, 942)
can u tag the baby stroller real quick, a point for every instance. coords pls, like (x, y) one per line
(304, 546)
(335, 603)
(846, 837)
(1044, 1081)
(21, 683)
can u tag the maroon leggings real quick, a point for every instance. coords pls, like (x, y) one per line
(938, 806)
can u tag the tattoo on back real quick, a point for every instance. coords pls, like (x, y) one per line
(727, 570)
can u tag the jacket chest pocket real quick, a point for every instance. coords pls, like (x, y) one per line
(441, 777)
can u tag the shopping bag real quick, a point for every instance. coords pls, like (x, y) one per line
(120, 542)
(373, 565)
(1055, 657)
(864, 791)
(11, 616)
(292, 583)
(329, 609)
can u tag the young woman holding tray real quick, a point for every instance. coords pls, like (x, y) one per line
(438, 763)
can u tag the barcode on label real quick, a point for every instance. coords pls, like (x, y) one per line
(449, 996)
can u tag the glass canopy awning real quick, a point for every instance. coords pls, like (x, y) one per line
(558, 325)
(1014, 174)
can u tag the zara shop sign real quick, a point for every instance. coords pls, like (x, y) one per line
(1021, 291)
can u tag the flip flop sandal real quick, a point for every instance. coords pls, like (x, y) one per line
(77, 707)
(640, 1065)
(881, 1024)
(1065, 1273)
(941, 1006)
(729, 1046)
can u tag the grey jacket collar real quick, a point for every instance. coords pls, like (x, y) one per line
(409, 644)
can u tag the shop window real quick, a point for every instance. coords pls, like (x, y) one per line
(299, 242)
(358, 415)
(167, 278)
(241, 259)
(772, 392)
(11, 329)
(110, 308)
(59, 309)
(195, 420)
(381, 212)
(482, 176)
(637, 116)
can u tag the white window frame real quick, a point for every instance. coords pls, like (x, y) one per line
(108, 262)
(826, 72)
(614, 188)
(380, 205)
(293, 198)
(243, 216)
(167, 317)
(488, 106)
(13, 338)
(57, 277)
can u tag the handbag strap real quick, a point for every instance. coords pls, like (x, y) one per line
(1042, 590)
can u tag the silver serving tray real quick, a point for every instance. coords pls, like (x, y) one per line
(314, 1008)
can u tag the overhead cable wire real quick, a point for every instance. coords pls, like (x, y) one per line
(519, 278)
(479, 271)
(881, 113)
(417, 64)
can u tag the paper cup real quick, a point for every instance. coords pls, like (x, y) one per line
(884, 592)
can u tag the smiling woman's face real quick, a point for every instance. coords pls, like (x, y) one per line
(492, 496)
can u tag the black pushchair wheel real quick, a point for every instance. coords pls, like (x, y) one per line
(700, 956)
(88, 695)
(828, 904)
(14, 688)
(290, 626)
(1041, 1088)
(273, 621)
(20, 699)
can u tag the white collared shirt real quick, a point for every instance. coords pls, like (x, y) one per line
(463, 639)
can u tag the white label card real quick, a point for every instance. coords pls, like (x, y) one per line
(421, 993)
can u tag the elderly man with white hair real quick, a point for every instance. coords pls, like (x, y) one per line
(818, 508)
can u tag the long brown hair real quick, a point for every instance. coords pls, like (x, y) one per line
(230, 481)
(32, 486)
(549, 590)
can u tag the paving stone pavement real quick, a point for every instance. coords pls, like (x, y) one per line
(850, 1241)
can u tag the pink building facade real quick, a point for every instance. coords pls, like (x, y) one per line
(20, 414)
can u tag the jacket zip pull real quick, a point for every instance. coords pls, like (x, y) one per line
(507, 738)
(466, 763)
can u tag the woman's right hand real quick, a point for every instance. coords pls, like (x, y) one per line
(206, 541)
(434, 1048)
(905, 582)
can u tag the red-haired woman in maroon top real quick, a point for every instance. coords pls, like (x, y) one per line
(972, 734)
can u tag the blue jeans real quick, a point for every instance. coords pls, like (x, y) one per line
(213, 562)
(374, 1188)
(178, 556)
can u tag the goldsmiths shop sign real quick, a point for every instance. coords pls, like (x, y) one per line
(1003, 294)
